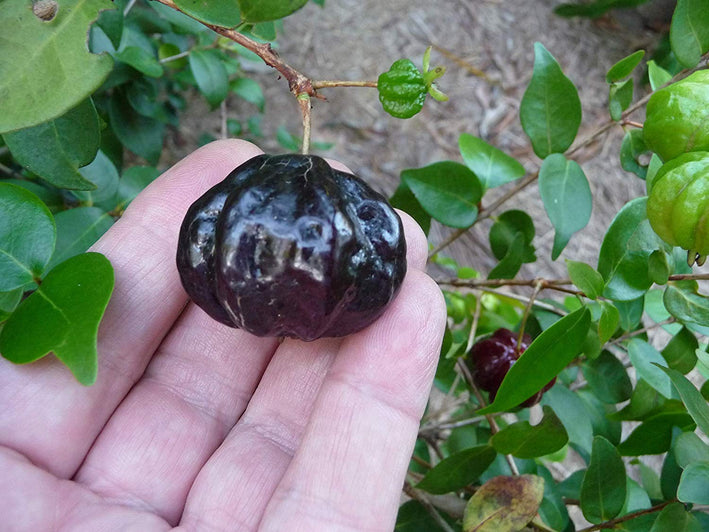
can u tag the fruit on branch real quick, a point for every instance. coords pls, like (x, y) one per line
(490, 360)
(678, 204)
(678, 117)
(288, 246)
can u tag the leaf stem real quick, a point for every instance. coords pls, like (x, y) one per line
(627, 517)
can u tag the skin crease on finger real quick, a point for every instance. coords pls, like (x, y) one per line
(158, 207)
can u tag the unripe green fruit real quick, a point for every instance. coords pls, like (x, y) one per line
(678, 117)
(402, 89)
(678, 205)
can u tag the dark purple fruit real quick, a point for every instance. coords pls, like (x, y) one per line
(287, 246)
(492, 358)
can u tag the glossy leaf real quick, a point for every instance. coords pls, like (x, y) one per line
(658, 267)
(689, 31)
(644, 401)
(644, 358)
(630, 312)
(526, 441)
(689, 448)
(414, 517)
(680, 352)
(141, 60)
(682, 301)
(571, 410)
(62, 316)
(588, 280)
(77, 230)
(623, 68)
(492, 166)
(623, 257)
(506, 228)
(512, 261)
(692, 399)
(608, 379)
(694, 483)
(103, 174)
(211, 75)
(654, 435)
(55, 150)
(458, 470)
(550, 109)
(131, 183)
(265, 10)
(45, 67)
(567, 198)
(674, 518)
(27, 236)
(448, 191)
(504, 504)
(604, 485)
(658, 76)
(620, 97)
(545, 357)
(217, 12)
(608, 322)
(140, 134)
(8, 302)
(405, 200)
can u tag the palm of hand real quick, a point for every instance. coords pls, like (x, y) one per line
(209, 428)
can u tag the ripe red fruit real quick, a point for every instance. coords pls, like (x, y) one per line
(492, 358)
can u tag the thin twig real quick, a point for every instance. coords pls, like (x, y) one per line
(305, 110)
(423, 500)
(627, 517)
(527, 311)
(174, 57)
(322, 84)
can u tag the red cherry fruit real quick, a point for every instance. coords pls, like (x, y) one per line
(492, 358)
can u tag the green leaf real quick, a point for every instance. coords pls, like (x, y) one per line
(210, 74)
(402, 89)
(103, 174)
(27, 236)
(693, 484)
(216, 12)
(140, 134)
(680, 352)
(62, 316)
(675, 518)
(77, 230)
(608, 379)
(630, 312)
(504, 504)
(414, 517)
(182, 23)
(692, 399)
(588, 280)
(448, 191)
(545, 357)
(594, 9)
(8, 302)
(526, 441)
(571, 410)
(512, 261)
(405, 200)
(654, 435)
(132, 182)
(550, 110)
(686, 305)
(141, 60)
(458, 470)
(567, 198)
(623, 68)
(604, 485)
(689, 31)
(644, 401)
(45, 67)
(492, 166)
(658, 267)
(608, 322)
(645, 359)
(689, 448)
(620, 97)
(265, 10)
(249, 90)
(658, 76)
(632, 147)
(624, 253)
(56, 149)
(506, 228)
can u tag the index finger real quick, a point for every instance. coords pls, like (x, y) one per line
(47, 415)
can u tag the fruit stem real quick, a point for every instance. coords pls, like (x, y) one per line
(538, 286)
(323, 84)
(305, 108)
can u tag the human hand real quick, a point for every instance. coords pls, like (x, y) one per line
(196, 425)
